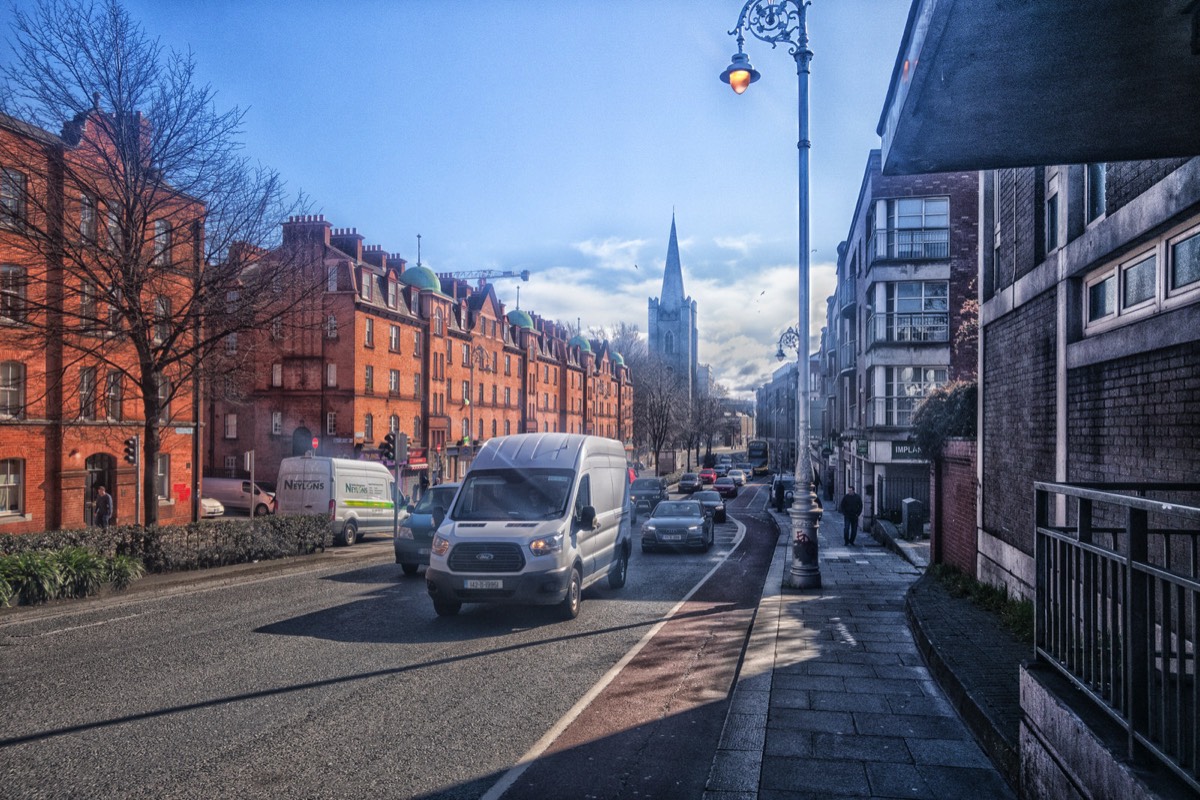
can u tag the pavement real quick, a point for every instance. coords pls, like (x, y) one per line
(840, 691)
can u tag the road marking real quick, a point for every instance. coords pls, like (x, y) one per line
(539, 747)
(79, 627)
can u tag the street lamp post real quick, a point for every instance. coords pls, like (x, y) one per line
(785, 22)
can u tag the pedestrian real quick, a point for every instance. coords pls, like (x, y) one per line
(850, 507)
(104, 507)
(779, 489)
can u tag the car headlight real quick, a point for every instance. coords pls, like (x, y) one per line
(405, 532)
(546, 545)
(649, 527)
(693, 527)
(440, 546)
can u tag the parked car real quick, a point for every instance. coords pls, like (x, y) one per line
(236, 494)
(689, 482)
(707, 475)
(726, 487)
(714, 504)
(678, 523)
(738, 476)
(211, 508)
(414, 537)
(645, 494)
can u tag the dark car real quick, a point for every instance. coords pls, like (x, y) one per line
(707, 475)
(689, 482)
(726, 487)
(678, 523)
(714, 504)
(788, 482)
(646, 494)
(721, 469)
(413, 537)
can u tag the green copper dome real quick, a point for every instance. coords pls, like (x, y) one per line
(578, 340)
(421, 278)
(520, 318)
(618, 359)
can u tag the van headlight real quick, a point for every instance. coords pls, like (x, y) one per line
(546, 545)
(440, 546)
(405, 532)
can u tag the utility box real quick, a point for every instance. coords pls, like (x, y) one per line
(912, 518)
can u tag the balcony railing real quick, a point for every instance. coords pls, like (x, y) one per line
(847, 293)
(908, 328)
(891, 412)
(848, 354)
(910, 244)
(1117, 608)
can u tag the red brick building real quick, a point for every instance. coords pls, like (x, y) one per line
(68, 391)
(389, 347)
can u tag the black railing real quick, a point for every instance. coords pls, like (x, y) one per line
(905, 327)
(1117, 608)
(892, 491)
(910, 244)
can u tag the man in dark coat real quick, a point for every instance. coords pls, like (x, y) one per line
(850, 508)
(104, 507)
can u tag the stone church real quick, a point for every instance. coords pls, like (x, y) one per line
(672, 323)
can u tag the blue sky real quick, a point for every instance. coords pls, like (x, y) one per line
(560, 137)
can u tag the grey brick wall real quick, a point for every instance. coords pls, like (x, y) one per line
(1018, 389)
(1127, 179)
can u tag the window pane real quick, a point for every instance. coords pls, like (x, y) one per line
(1102, 298)
(1185, 260)
(1139, 282)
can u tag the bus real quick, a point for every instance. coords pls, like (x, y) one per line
(759, 457)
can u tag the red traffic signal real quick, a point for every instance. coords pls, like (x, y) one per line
(316, 442)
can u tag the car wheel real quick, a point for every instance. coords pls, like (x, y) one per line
(408, 568)
(260, 510)
(619, 570)
(569, 608)
(349, 534)
(446, 608)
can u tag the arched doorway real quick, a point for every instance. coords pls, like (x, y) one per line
(101, 471)
(301, 441)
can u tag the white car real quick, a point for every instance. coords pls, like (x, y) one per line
(739, 477)
(211, 508)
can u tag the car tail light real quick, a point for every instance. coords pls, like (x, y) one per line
(333, 509)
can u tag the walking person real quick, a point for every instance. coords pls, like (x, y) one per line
(850, 508)
(104, 507)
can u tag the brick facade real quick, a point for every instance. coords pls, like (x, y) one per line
(953, 532)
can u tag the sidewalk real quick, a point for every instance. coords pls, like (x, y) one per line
(834, 698)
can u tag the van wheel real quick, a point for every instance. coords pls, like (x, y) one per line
(569, 608)
(446, 608)
(260, 510)
(349, 534)
(409, 568)
(619, 570)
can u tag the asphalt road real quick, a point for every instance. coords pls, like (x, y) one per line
(343, 682)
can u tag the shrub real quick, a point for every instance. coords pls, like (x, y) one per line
(121, 571)
(947, 411)
(6, 589)
(34, 577)
(81, 572)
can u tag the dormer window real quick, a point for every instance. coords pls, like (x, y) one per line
(393, 298)
(367, 280)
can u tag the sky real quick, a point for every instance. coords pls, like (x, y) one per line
(560, 138)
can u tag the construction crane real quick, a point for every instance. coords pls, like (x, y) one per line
(484, 275)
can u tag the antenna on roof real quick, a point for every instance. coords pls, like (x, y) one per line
(418, 249)
(518, 298)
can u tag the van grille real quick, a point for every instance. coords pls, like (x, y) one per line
(486, 557)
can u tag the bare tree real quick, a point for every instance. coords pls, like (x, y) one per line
(142, 236)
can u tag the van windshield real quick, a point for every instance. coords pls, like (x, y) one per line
(512, 494)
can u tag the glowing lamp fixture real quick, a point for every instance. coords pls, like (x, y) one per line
(739, 74)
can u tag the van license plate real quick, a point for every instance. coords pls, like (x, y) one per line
(672, 537)
(479, 584)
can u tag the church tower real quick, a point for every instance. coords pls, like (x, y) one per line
(672, 325)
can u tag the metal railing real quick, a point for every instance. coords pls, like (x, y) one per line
(1117, 608)
(847, 354)
(847, 292)
(892, 412)
(910, 244)
(908, 327)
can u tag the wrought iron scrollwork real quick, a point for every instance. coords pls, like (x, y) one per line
(776, 22)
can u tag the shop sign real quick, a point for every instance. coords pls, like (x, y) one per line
(862, 447)
(906, 450)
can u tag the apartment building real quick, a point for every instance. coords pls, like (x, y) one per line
(903, 274)
(389, 347)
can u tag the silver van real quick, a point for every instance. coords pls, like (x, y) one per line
(238, 493)
(539, 517)
(359, 496)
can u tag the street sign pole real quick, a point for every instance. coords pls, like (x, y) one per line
(399, 459)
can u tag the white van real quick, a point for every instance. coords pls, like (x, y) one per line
(359, 496)
(539, 517)
(239, 494)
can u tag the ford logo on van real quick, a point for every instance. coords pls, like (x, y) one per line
(485, 556)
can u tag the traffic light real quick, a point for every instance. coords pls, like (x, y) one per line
(387, 448)
(402, 449)
(131, 449)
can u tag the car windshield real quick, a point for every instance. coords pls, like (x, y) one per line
(688, 476)
(678, 508)
(646, 485)
(434, 497)
(710, 496)
(512, 494)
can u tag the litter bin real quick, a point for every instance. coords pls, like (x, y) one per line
(912, 518)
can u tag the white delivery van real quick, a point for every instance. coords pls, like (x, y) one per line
(359, 496)
(538, 518)
(238, 493)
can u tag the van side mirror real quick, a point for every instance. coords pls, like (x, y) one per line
(587, 516)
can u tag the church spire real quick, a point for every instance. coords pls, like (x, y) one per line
(672, 288)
